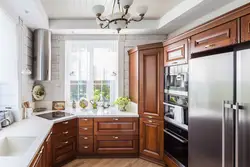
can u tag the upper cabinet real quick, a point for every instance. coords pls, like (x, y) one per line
(223, 35)
(245, 28)
(176, 53)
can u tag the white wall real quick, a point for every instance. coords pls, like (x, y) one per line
(55, 88)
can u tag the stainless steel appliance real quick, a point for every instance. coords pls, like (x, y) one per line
(54, 115)
(6, 118)
(219, 108)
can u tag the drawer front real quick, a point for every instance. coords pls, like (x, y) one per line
(85, 122)
(221, 36)
(116, 144)
(64, 126)
(85, 140)
(86, 148)
(85, 131)
(116, 126)
(64, 151)
(245, 28)
(64, 135)
(176, 53)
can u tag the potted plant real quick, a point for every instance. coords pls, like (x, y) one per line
(122, 103)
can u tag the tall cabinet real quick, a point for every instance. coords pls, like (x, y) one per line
(146, 85)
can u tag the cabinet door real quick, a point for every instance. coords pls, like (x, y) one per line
(245, 28)
(176, 53)
(40, 158)
(151, 83)
(221, 36)
(133, 77)
(48, 150)
(151, 138)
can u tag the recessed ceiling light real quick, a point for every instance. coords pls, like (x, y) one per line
(27, 12)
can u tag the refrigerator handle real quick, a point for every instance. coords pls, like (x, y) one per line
(223, 132)
(237, 109)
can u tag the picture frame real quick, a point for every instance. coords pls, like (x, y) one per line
(58, 105)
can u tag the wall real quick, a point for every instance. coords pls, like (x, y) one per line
(55, 88)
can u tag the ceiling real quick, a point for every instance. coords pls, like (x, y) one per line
(75, 9)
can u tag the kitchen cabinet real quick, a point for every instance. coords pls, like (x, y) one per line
(40, 158)
(176, 53)
(151, 138)
(245, 28)
(64, 142)
(146, 62)
(48, 150)
(221, 36)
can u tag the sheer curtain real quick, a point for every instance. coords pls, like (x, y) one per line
(91, 69)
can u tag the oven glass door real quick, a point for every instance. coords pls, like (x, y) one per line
(176, 146)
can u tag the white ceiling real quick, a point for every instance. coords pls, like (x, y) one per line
(68, 9)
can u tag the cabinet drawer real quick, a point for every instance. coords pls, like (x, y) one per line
(116, 144)
(64, 135)
(86, 148)
(245, 28)
(116, 126)
(64, 126)
(85, 140)
(64, 151)
(85, 122)
(176, 53)
(85, 131)
(221, 36)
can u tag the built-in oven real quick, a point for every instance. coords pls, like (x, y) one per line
(176, 144)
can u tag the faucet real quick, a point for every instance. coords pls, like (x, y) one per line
(1, 121)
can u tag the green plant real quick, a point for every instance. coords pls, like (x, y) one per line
(122, 103)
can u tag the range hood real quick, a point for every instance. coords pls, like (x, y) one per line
(42, 55)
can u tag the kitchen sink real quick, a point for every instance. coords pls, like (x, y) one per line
(15, 146)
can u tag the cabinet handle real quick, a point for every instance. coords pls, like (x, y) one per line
(210, 46)
(85, 119)
(85, 138)
(115, 137)
(65, 123)
(41, 151)
(86, 147)
(150, 117)
(49, 137)
(66, 142)
(116, 119)
(85, 128)
(150, 121)
(65, 132)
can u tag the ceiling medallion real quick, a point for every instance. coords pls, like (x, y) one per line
(119, 18)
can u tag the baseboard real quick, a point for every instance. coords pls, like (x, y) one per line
(156, 161)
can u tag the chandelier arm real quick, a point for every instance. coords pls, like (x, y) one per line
(126, 12)
(142, 17)
(99, 18)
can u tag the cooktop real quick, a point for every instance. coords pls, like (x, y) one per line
(54, 115)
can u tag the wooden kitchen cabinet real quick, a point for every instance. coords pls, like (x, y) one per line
(40, 158)
(245, 28)
(151, 138)
(221, 36)
(176, 53)
(48, 150)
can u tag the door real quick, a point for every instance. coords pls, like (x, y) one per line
(151, 83)
(211, 82)
(243, 97)
(151, 138)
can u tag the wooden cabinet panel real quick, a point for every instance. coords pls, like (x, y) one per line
(85, 122)
(48, 150)
(40, 159)
(64, 126)
(221, 36)
(245, 28)
(85, 139)
(169, 162)
(64, 151)
(151, 138)
(151, 83)
(86, 148)
(65, 134)
(116, 144)
(133, 77)
(176, 53)
(85, 131)
(116, 126)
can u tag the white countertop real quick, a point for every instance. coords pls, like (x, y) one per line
(39, 128)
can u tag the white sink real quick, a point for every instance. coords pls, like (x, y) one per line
(15, 146)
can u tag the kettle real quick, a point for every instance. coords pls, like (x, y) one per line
(6, 118)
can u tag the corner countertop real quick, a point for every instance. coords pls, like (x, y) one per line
(39, 128)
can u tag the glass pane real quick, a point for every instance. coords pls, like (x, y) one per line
(102, 88)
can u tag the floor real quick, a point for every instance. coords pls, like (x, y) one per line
(117, 162)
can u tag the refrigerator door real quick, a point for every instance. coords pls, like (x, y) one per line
(211, 82)
(243, 97)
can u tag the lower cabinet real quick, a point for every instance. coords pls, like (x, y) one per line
(48, 150)
(40, 159)
(151, 138)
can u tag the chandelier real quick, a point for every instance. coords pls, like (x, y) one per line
(120, 18)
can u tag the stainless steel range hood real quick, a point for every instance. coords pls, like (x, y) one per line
(42, 55)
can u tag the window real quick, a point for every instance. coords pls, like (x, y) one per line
(91, 69)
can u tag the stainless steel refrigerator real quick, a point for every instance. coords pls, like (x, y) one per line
(219, 109)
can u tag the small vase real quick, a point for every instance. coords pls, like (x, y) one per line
(122, 108)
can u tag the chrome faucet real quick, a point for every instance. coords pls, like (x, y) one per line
(1, 121)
